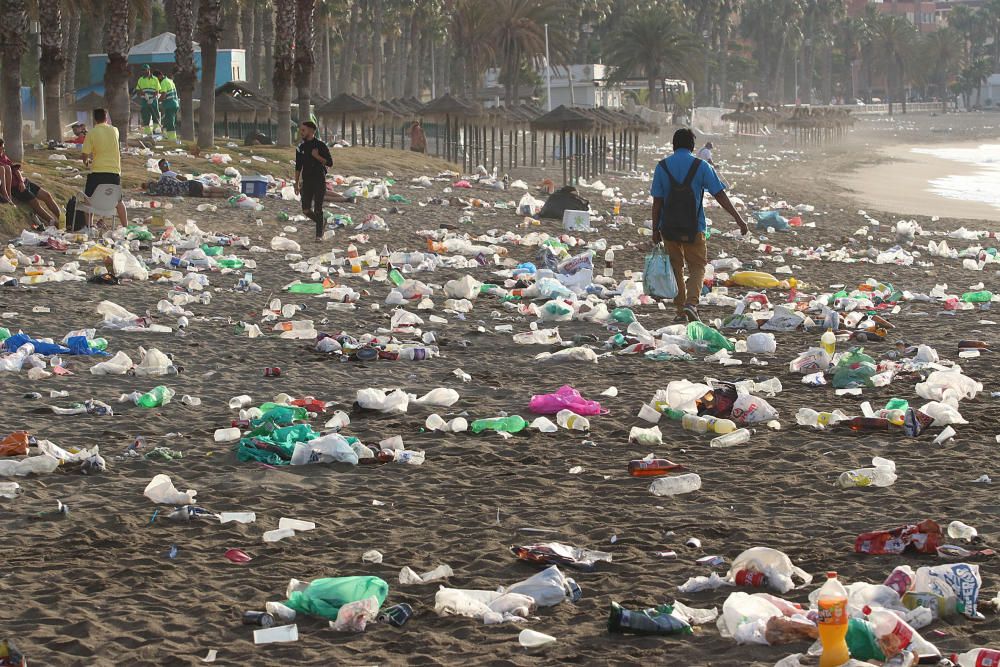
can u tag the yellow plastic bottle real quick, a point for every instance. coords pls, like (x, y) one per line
(828, 341)
(720, 426)
(833, 622)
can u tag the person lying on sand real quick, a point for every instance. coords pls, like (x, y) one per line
(17, 188)
(172, 184)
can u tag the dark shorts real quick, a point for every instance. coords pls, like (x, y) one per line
(100, 178)
(196, 188)
(29, 192)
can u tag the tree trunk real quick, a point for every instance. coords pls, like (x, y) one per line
(209, 29)
(14, 28)
(724, 66)
(902, 83)
(247, 43)
(413, 62)
(778, 94)
(146, 20)
(116, 76)
(827, 73)
(185, 74)
(72, 47)
(324, 75)
(378, 90)
(305, 37)
(267, 16)
(345, 78)
(653, 92)
(284, 65)
(258, 71)
(229, 38)
(51, 66)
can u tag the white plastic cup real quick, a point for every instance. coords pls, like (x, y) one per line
(240, 402)
(227, 434)
(295, 524)
(650, 414)
(281, 633)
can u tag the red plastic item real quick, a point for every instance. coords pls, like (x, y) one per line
(924, 537)
(238, 556)
(311, 404)
(15, 444)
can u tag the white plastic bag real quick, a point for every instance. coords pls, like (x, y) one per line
(775, 565)
(162, 490)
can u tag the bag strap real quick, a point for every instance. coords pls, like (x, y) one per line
(663, 165)
(691, 172)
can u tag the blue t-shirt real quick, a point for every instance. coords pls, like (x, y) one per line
(704, 179)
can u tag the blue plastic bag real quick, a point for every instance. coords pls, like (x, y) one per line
(658, 279)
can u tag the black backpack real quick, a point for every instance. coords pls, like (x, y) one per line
(75, 220)
(679, 219)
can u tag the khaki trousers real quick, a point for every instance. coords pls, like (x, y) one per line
(695, 256)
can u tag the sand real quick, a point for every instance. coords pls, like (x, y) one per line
(96, 587)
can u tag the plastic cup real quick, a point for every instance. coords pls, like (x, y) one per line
(648, 413)
(295, 524)
(281, 633)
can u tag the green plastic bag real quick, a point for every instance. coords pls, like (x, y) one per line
(139, 233)
(861, 640)
(623, 315)
(211, 250)
(306, 288)
(325, 597)
(855, 369)
(715, 340)
(230, 263)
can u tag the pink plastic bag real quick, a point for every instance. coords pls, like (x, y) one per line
(566, 398)
(462, 184)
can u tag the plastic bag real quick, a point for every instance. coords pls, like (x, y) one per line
(715, 340)
(775, 565)
(395, 402)
(325, 597)
(547, 588)
(489, 606)
(162, 490)
(749, 409)
(761, 343)
(354, 616)
(565, 398)
(658, 278)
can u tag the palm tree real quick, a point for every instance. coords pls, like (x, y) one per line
(519, 37)
(655, 43)
(305, 59)
(185, 73)
(209, 32)
(894, 38)
(470, 30)
(117, 43)
(51, 65)
(14, 30)
(942, 53)
(284, 64)
(71, 45)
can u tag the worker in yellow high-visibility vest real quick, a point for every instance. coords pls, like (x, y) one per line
(169, 105)
(148, 91)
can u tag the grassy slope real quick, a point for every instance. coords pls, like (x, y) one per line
(357, 161)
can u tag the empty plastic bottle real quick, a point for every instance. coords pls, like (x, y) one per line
(658, 621)
(880, 475)
(673, 486)
(156, 397)
(732, 439)
(720, 426)
(651, 467)
(694, 423)
(511, 424)
(977, 657)
(893, 633)
(809, 417)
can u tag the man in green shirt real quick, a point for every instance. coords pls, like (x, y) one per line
(148, 91)
(169, 104)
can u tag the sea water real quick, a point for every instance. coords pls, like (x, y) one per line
(980, 186)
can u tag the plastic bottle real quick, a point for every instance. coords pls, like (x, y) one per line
(958, 530)
(673, 486)
(651, 467)
(511, 424)
(867, 424)
(155, 397)
(862, 477)
(571, 420)
(657, 621)
(809, 417)
(694, 423)
(832, 622)
(893, 633)
(732, 438)
(609, 262)
(977, 657)
(720, 426)
(828, 341)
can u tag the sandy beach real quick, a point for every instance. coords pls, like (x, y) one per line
(96, 587)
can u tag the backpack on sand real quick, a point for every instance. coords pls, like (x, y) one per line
(679, 219)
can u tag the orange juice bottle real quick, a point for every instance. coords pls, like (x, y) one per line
(833, 622)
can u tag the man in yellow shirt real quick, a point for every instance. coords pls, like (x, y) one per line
(148, 90)
(102, 154)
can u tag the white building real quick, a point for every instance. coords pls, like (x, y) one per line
(577, 85)
(990, 92)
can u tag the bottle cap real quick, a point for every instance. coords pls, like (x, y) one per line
(866, 610)
(831, 575)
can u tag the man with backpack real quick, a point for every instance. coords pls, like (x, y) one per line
(679, 185)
